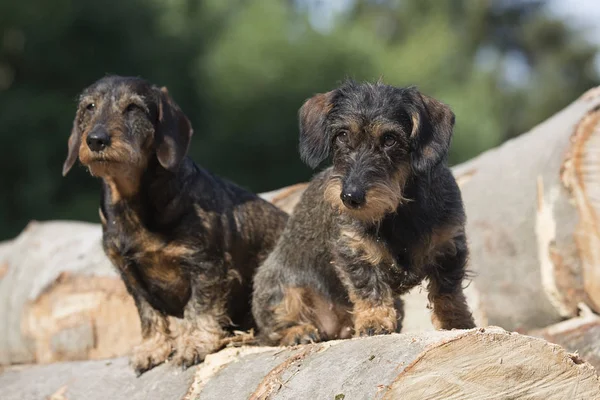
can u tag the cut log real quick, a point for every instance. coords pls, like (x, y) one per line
(532, 207)
(476, 364)
(579, 335)
(5, 249)
(60, 299)
(285, 198)
(533, 210)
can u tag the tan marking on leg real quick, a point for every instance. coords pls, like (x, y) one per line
(374, 319)
(450, 311)
(299, 334)
(196, 339)
(295, 308)
(156, 345)
(304, 310)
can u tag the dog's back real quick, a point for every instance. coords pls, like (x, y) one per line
(244, 229)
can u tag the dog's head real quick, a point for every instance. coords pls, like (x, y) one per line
(121, 123)
(378, 136)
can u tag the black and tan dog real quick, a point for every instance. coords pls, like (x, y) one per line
(387, 215)
(185, 242)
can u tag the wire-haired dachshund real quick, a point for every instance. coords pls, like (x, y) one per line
(186, 243)
(385, 216)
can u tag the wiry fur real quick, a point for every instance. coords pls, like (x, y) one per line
(185, 242)
(389, 147)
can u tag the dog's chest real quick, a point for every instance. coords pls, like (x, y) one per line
(406, 250)
(400, 252)
(397, 241)
(149, 260)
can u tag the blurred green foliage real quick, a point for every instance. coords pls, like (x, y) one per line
(241, 69)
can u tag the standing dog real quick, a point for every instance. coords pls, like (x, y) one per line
(385, 216)
(185, 242)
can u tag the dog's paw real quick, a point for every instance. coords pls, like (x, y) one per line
(150, 353)
(193, 346)
(372, 328)
(300, 334)
(375, 321)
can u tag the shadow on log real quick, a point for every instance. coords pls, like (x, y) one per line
(474, 364)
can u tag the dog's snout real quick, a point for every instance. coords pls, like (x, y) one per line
(353, 197)
(98, 140)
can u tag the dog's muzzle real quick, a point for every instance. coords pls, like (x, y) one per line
(98, 139)
(353, 197)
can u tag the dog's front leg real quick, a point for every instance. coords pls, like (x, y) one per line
(450, 309)
(374, 310)
(157, 344)
(200, 332)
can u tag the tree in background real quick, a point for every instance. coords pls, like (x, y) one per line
(241, 69)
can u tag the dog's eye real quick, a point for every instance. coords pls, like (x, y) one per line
(389, 140)
(342, 137)
(91, 107)
(132, 107)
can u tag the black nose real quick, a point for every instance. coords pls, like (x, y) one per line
(98, 140)
(353, 197)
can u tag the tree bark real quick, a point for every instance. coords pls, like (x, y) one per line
(476, 364)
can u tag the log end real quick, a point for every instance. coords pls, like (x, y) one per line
(496, 364)
(580, 174)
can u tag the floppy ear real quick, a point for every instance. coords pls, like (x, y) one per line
(173, 132)
(314, 138)
(432, 127)
(73, 144)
